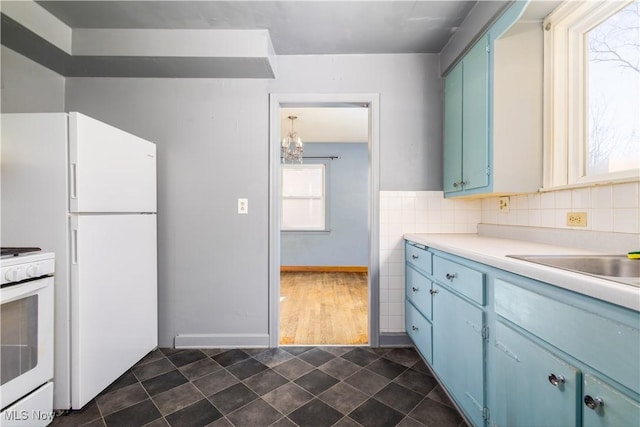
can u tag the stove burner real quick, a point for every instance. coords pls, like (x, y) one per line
(17, 251)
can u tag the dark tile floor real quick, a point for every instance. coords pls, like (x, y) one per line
(286, 386)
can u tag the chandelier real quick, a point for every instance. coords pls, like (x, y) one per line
(292, 145)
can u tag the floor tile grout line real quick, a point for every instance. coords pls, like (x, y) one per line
(150, 397)
(295, 355)
(317, 396)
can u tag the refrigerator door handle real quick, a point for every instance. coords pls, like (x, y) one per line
(74, 247)
(74, 180)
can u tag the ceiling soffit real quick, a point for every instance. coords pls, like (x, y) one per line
(139, 52)
(217, 39)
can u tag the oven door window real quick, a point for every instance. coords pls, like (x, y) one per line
(18, 337)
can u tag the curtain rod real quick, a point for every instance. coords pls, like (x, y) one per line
(319, 157)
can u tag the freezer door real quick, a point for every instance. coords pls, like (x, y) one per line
(114, 315)
(110, 170)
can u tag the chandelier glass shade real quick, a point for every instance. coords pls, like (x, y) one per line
(292, 146)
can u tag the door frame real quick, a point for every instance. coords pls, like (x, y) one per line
(372, 102)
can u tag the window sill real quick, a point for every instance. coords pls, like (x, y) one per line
(306, 231)
(594, 183)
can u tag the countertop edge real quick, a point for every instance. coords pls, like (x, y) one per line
(492, 251)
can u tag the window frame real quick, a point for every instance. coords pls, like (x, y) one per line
(565, 86)
(324, 197)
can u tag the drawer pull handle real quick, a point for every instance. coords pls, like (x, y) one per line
(414, 328)
(556, 380)
(414, 257)
(593, 403)
(414, 289)
(433, 291)
(451, 276)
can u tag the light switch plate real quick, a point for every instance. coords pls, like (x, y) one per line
(243, 206)
(503, 204)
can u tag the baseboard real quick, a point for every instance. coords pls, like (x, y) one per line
(325, 268)
(395, 340)
(221, 341)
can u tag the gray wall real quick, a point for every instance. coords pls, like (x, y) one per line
(410, 107)
(212, 139)
(347, 193)
(212, 148)
(28, 87)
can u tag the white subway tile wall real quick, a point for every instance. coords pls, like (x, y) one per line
(610, 208)
(413, 212)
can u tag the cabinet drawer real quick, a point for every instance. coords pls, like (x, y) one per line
(463, 279)
(419, 330)
(607, 345)
(418, 257)
(417, 290)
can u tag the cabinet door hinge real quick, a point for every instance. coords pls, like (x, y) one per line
(488, 170)
(485, 333)
(488, 48)
(485, 413)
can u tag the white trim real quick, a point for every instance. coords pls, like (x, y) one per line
(565, 127)
(587, 184)
(221, 341)
(276, 101)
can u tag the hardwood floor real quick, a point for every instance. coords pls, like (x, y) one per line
(323, 308)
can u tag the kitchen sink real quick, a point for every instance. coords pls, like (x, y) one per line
(618, 268)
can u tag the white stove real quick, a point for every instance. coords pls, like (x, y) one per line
(26, 362)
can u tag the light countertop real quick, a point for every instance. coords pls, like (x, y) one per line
(492, 251)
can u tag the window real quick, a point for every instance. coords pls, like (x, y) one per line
(592, 91)
(303, 197)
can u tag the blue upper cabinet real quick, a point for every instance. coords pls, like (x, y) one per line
(453, 130)
(493, 111)
(466, 122)
(475, 113)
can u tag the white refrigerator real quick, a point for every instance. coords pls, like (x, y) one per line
(87, 191)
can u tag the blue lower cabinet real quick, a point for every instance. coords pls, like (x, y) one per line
(418, 257)
(418, 291)
(532, 386)
(604, 406)
(458, 351)
(419, 330)
(516, 352)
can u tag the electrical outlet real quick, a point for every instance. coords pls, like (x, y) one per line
(503, 204)
(243, 206)
(577, 219)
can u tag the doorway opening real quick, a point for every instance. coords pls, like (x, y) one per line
(323, 307)
(320, 279)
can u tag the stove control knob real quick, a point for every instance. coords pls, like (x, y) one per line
(33, 270)
(11, 275)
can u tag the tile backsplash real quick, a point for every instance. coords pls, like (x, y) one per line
(413, 212)
(611, 208)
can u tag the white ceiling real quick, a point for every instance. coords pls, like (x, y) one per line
(300, 27)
